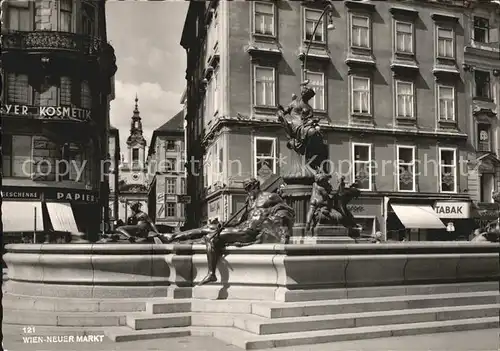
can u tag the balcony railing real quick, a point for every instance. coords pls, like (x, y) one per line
(53, 41)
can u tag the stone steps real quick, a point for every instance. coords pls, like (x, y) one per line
(264, 326)
(249, 341)
(63, 319)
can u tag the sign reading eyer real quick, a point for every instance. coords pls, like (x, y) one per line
(49, 112)
(456, 210)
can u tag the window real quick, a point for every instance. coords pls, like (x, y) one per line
(264, 156)
(19, 91)
(360, 94)
(264, 86)
(17, 152)
(170, 186)
(170, 209)
(484, 137)
(86, 95)
(65, 15)
(170, 145)
(73, 154)
(446, 96)
(65, 91)
(404, 37)
(215, 93)
(360, 31)
(406, 168)
(88, 19)
(183, 186)
(447, 170)
(317, 83)
(404, 96)
(171, 162)
(362, 166)
(135, 155)
(445, 42)
(264, 18)
(481, 29)
(310, 21)
(482, 83)
(19, 16)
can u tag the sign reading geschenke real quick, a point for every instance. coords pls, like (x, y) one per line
(49, 112)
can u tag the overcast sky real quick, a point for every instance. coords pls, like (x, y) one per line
(151, 63)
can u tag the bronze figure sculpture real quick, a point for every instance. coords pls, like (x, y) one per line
(266, 219)
(328, 206)
(303, 129)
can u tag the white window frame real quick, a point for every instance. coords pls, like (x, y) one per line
(412, 164)
(399, 82)
(254, 17)
(369, 162)
(351, 41)
(322, 96)
(18, 5)
(438, 109)
(353, 77)
(438, 28)
(321, 28)
(174, 207)
(412, 31)
(455, 185)
(173, 186)
(256, 158)
(255, 68)
(73, 17)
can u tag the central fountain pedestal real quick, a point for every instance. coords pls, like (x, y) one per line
(326, 234)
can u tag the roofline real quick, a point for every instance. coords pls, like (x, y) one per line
(183, 96)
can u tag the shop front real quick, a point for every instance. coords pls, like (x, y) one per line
(44, 210)
(456, 216)
(368, 214)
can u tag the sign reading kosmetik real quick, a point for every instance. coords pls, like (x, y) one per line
(49, 112)
(455, 210)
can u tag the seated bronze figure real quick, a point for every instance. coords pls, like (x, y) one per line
(267, 219)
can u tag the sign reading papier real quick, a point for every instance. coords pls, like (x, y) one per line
(457, 210)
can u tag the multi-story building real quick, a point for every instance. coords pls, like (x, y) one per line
(482, 87)
(390, 86)
(113, 173)
(133, 176)
(166, 161)
(57, 71)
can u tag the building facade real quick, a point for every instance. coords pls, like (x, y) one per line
(113, 174)
(133, 175)
(166, 160)
(482, 77)
(55, 117)
(390, 85)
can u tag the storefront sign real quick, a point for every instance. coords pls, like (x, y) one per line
(20, 193)
(487, 211)
(365, 207)
(49, 112)
(458, 210)
(71, 195)
(356, 208)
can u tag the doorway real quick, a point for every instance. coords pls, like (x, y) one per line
(487, 187)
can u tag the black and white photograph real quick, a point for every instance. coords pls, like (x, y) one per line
(228, 175)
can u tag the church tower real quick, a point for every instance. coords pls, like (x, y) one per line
(136, 147)
(133, 184)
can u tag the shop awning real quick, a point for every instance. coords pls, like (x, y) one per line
(19, 216)
(418, 217)
(62, 217)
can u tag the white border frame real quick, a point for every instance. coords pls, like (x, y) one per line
(253, 13)
(455, 187)
(436, 42)
(351, 92)
(304, 27)
(370, 44)
(395, 39)
(254, 155)
(323, 81)
(396, 95)
(370, 161)
(254, 85)
(413, 148)
(438, 116)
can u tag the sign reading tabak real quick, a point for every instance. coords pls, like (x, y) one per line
(49, 112)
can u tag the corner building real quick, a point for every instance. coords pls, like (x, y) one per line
(389, 85)
(57, 74)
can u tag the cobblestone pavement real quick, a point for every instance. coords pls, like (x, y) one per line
(481, 340)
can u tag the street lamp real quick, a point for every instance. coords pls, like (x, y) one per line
(328, 8)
